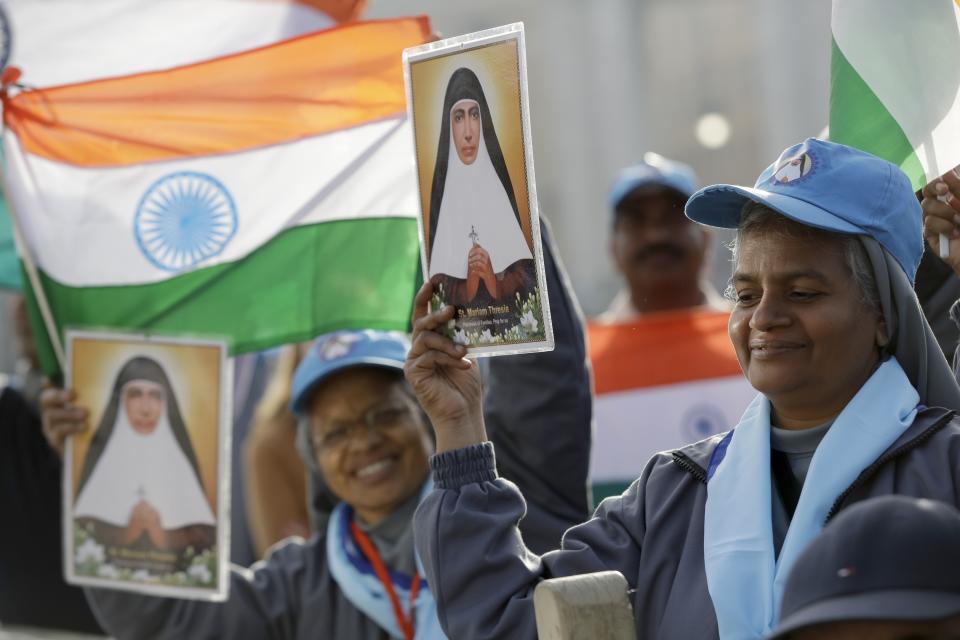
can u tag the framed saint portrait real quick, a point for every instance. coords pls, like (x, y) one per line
(145, 496)
(479, 224)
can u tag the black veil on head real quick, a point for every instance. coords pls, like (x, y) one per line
(464, 85)
(138, 368)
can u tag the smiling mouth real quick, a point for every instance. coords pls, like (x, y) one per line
(375, 470)
(773, 348)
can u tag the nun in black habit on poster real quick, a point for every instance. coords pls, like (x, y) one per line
(478, 252)
(140, 483)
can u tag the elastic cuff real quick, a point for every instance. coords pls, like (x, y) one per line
(453, 469)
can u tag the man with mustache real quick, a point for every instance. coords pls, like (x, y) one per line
(659, 253)
(661, 348)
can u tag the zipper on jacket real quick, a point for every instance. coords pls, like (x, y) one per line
(870, 471)
(691, 467)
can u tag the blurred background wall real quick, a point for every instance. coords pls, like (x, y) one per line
(611, 79)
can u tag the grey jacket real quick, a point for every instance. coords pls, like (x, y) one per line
(483, 576)
(293, 595)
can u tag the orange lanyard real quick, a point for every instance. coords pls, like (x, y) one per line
(406, 621)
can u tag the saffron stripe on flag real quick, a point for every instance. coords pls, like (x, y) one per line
(306, 86)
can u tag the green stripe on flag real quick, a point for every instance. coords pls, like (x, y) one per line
(858, 119)
(306, 281)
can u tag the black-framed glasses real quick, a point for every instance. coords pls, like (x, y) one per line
(334, 434)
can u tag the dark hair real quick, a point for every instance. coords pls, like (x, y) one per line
(139, 368)
(464, 85)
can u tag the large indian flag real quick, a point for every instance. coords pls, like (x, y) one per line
(265, 196)
(895, 82)
(663, 381)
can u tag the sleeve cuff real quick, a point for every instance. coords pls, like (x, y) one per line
(454, 469)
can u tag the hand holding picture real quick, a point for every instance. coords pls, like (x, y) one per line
(447, 385)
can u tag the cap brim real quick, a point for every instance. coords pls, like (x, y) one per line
(721, 205)
(297, 402)
(902, 605)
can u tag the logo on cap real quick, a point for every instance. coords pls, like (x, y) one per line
(337, 346)
(793, 169)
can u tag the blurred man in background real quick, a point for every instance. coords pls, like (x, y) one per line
(658, 251)
(665, 371)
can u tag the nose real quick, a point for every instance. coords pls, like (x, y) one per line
(364, 437)
(769, 314)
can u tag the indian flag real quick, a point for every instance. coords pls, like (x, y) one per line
(265, 196)
(663, 381)
(895, 82)
(64, 41)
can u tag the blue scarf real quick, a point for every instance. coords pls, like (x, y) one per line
(744, 578)
(358, 581)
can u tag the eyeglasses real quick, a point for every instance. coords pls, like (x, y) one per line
(379, 418)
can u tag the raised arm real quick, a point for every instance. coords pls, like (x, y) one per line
(538, 410)
(477, 565)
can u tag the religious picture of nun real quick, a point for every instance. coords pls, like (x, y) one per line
(140, 512)
(478, 254)
(479, 221)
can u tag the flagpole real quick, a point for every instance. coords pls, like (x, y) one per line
(33, 276)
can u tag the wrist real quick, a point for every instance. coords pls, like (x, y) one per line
(457, 433)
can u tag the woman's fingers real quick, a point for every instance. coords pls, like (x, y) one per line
(60, 418)
(421, 302)
(431, 321)
(431, 341)
(935, 226)
(432, 360)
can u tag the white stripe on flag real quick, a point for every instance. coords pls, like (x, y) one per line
(908, 53)
(83, 234)
(65, 41)
(631, 426)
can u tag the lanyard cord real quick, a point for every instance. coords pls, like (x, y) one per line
(406, 622)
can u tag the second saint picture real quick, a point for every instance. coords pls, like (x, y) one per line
(479, 221)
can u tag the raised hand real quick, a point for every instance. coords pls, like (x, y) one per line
(447, 385)
(60, 417)
(943, 217)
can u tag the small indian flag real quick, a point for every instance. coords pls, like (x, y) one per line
(663, 381)
(265, 196)
(895, 82)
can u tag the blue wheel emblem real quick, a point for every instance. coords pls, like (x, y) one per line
(702, 421)
(6, 38)
(184, 219)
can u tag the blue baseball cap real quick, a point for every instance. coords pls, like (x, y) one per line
(654, 171)
(891, 558)
(828, 186)
(333, 352)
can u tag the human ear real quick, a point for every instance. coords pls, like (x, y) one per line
(882, 338)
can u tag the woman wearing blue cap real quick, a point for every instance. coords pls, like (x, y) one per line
(363, 433)
(855, 400)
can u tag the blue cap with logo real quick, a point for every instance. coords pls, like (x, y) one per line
(829, 186)
(654, 171)
(333, 352)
